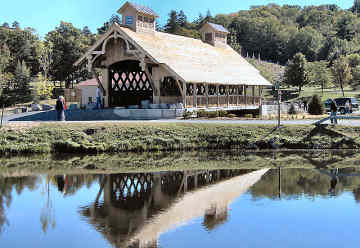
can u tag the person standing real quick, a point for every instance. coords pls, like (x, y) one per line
(347, 107)
(333, 111)
(98, 98)
(60, 109)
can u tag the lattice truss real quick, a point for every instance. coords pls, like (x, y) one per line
(131, 190)
(130, 81)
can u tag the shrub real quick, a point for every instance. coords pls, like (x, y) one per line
(292, 110)
(187, 114)
(316, 107)
(222, 113)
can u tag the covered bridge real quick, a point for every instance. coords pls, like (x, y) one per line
(138, 63)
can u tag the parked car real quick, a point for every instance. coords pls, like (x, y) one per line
(340, 102)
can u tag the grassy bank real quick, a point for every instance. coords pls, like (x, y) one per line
(174, 161)
(142, 137)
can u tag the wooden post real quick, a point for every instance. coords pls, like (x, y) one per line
(253, 94)
(185, 93)
(227, 95)
(195, 94)
(207, 95)
(237, 94)
(245, 97)
(217, 94)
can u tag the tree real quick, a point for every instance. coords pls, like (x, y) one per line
(356, 7)
(182, 19)
(69, 44)
(319, 74)
(86, 31)
(15, 25)
(341, 72)
(316, 107)
(6, 25)
(172, 26)
(46, 51)
(22, 76)
(295, 72)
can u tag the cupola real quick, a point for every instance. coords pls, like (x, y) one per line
(214, 34)
(138, 17)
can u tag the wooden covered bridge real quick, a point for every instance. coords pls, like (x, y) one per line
(138, 63)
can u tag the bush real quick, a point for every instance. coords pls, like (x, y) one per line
(222, 113)
(292, 110)
(316, 107)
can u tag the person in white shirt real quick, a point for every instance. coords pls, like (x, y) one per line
(98, 98)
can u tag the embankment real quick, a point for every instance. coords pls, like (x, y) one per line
(95, 138)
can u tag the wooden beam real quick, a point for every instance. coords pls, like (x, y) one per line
(244, 87)
(185, 92)
(195, 95)
(179, 85)
(207, 95)
(147, 72)
(227, 95)
(217, 94)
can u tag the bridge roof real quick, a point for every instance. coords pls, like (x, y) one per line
(192, 60)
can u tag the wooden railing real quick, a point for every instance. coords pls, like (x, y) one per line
(221, 101)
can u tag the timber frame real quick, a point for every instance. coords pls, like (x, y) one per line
(117, 47)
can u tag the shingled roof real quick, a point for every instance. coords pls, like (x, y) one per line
(218, 27)
(192, 60)
(140, 8)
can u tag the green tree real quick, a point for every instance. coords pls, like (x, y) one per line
(68, 44)
(172, 26)
(22, 76)
(316, 107)
(296, 73)
(341, 72)
(356, 7)
(319, 74)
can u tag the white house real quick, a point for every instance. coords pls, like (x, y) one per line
(88, 91)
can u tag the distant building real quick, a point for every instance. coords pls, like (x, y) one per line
(138, 63)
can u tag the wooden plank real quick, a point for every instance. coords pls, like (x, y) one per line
(185, 92)
(179, 85)
(217, 94)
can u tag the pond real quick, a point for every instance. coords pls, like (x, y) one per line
(289, 207)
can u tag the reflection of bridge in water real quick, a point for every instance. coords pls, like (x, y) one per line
(137, 208)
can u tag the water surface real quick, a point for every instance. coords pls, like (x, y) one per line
(216, 208)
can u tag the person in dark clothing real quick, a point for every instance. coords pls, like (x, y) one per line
(60, 109)
(333, 111)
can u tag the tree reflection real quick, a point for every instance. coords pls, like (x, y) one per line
(7, 185)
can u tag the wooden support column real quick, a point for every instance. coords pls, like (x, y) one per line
(227, 95)
(207, 95)
(217, 95)
(185, 92)
(244, 87)
(253, 95)
(195, 94)
(237, 94)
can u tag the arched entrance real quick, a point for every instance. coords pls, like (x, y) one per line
(129, 84)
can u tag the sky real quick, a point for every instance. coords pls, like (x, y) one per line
(45, 15)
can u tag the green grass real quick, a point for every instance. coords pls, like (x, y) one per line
(328, 93)
(144, 137)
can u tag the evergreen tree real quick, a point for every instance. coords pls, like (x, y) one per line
(86, 31)
(316, 107)
(341, 72)
(15, 24)
(172, 26)
(356, 7)
(182, 19)
(22, 76)
(295, 72)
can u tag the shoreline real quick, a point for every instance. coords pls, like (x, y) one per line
(114, 138)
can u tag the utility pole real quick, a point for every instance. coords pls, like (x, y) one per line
(277, 88)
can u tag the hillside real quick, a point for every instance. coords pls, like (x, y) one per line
(271, 71)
